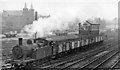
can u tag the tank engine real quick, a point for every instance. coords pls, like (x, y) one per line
(20, 51)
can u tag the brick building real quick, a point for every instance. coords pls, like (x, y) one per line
(15, 20)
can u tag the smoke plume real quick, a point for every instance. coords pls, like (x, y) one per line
(59, 21)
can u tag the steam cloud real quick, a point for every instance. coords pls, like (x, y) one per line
(59, 21)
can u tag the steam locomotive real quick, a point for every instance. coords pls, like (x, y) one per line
(46, 48)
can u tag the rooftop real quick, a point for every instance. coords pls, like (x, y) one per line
(13, 12)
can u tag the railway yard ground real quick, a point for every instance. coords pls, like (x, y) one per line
(104, 55)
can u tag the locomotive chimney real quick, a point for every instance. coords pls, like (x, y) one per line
(35, 35)
(20, 41)
(36, 15)
(79, 27)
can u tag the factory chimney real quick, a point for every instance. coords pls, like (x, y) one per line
(36, 15)
(79, 27)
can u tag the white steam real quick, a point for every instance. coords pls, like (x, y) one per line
(43, 27)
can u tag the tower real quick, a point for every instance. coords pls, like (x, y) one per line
(31, 13)
(31, 10)
(25, 9)
(31, 6)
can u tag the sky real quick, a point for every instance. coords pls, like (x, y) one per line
(83, 8)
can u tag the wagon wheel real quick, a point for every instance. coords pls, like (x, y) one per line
(17, 52)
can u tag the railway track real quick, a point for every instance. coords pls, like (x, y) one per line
(116, 64)
(110, 62)
(62, 64)
(80, 62)
(95, 63)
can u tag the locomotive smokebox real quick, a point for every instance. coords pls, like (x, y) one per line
(20, 41)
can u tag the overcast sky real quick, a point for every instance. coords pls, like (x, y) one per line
(84, 8)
